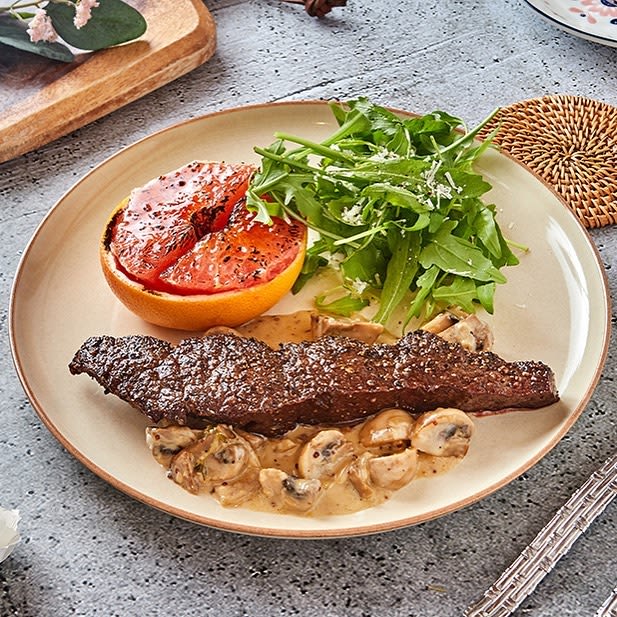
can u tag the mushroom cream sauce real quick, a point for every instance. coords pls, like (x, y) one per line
(365, 463)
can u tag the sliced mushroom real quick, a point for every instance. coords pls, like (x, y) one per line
(445, 431)
(441, 322)
(166, 442)
(389, 463)
(393, 471)
(390, 427)
(243, 488)
(471, 333)
(325, 455)
(254, 439)
(466, 330)
(221, 330)
(229, 462)
(289, 492)
(360, 477)
(367, 331)
(220, 456)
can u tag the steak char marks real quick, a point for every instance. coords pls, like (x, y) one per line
(224, 378)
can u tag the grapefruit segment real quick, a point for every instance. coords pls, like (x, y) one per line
(166, 217)
(243, 254)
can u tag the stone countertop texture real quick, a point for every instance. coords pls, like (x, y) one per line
(88, 549)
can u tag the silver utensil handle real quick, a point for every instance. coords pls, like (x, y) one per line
(609, 606)
(554, 541)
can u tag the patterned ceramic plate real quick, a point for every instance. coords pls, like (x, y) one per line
(594, 20)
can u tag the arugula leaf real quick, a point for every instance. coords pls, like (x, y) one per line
(397, 206)
(460, 292)
(457, 256)
(345, 306)
(401, 271)
(485, 296)
(425, 284)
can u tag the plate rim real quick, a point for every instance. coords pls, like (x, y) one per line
(291, 533)
(560, 23)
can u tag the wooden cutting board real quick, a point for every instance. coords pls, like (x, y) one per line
(41, 100)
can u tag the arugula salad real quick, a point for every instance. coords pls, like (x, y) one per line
(397, 208)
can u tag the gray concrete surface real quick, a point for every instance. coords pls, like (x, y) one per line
(88, 549)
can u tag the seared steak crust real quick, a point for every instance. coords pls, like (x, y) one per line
(223, 378)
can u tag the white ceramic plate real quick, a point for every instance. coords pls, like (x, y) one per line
(594, 20)
(554, 308)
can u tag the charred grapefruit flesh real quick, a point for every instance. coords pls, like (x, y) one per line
(187, 234)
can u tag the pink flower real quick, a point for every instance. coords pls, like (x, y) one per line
(602, 9)
(83, 12)
(41, 28)
(592, 9)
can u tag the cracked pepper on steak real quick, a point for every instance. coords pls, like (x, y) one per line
(225, 378)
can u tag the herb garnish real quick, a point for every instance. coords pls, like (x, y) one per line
(397, 206)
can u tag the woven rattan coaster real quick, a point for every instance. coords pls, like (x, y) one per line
(571, 143)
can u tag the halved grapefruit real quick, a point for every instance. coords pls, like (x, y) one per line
(184, 252)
